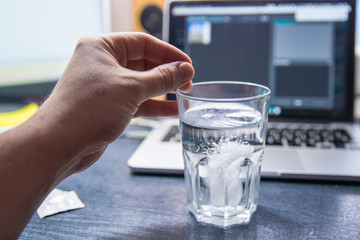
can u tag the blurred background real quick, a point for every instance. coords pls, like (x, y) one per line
(39, 36)
(135, 8)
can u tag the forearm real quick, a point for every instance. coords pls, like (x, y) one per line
(33, 160)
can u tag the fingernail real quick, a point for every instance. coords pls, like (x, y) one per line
(186, 71)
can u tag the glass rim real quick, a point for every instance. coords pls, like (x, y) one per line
(185, 95)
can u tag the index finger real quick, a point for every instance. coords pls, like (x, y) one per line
(144, 46)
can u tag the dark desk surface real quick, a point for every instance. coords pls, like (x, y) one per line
(120, 205)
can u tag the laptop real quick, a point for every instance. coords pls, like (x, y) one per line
(302, 50)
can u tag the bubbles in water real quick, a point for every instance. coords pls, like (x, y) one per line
(227, 152)
(225, 167)
(221, 115)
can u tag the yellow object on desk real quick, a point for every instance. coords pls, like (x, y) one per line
(14, 118)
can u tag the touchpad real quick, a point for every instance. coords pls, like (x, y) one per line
(281, 159)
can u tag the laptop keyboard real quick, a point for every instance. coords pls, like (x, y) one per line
(173, 135)
(308, 137)
(294, 136)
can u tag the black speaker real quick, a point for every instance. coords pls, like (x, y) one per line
(148, 16)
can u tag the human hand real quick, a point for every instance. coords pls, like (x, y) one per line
(111, 79)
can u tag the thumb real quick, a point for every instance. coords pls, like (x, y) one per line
(168, 77)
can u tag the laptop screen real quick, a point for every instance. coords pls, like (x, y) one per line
(302, 50)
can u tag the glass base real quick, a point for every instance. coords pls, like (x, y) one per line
(240, 218)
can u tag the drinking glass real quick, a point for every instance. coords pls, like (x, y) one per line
(223, 128)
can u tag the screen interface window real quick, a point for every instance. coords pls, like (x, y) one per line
(298, 50)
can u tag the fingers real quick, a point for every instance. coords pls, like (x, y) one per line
(141, 65)
(166, 78)
(139, 46)
(187, 87)
(157, 67)
(156, 108)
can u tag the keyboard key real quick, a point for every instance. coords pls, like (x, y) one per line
(328, 138)
(340, 144)
(270, 140)
(296, 142)
(341, 136)
(313, 134)
(300, 133)
(311, 142)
